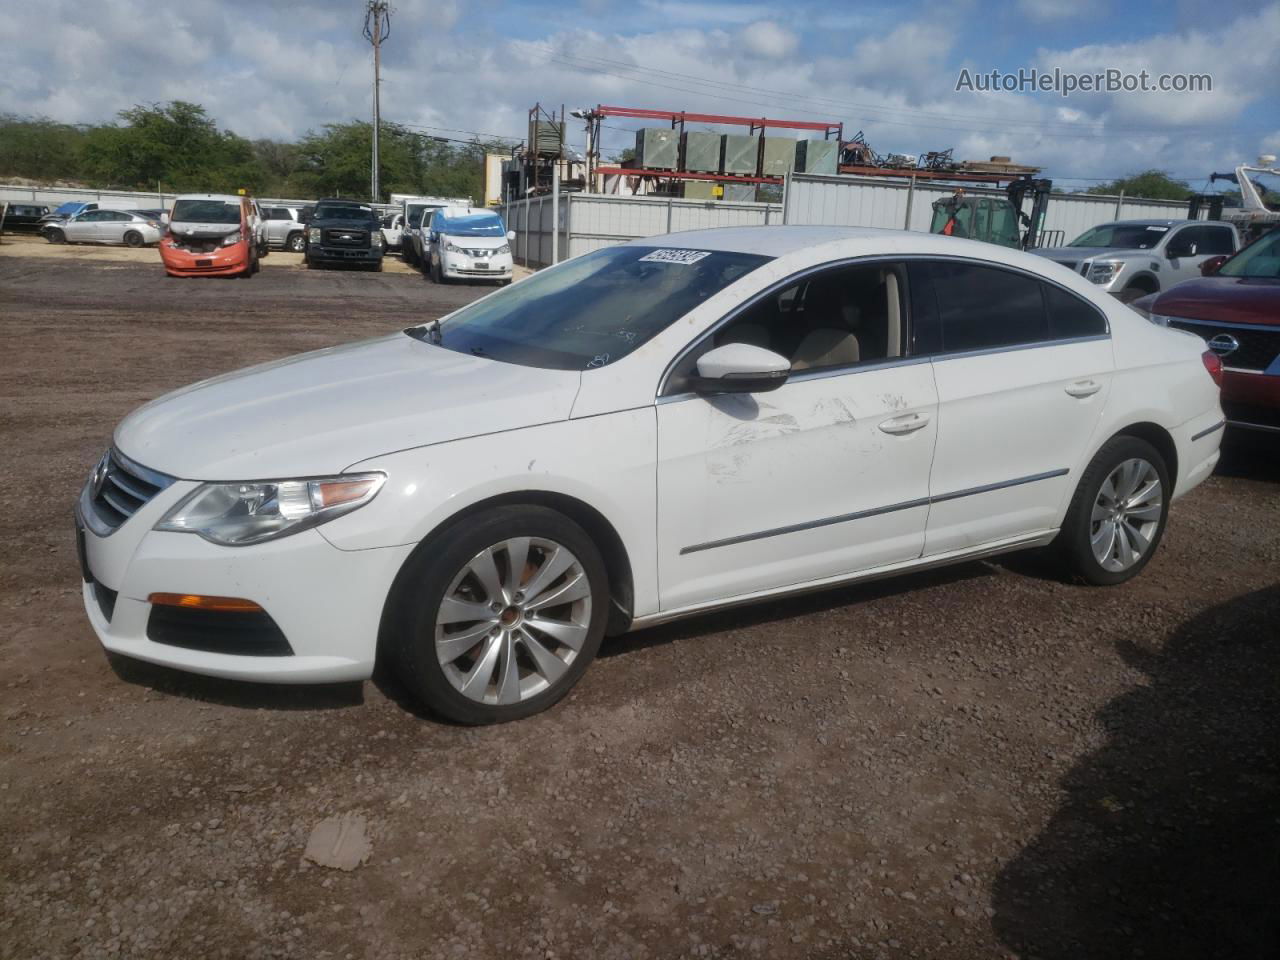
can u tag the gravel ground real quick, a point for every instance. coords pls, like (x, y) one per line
(978, 762)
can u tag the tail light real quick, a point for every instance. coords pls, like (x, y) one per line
(1213, 363)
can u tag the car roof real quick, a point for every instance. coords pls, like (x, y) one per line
(227, 197)
(454, 213)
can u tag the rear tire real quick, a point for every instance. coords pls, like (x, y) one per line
(1117, 516)
(469, 644)
(133, 238)
(296, 243)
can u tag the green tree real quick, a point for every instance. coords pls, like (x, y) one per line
(1149, 185)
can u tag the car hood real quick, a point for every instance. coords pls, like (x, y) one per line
(343, 223)
(1224, 299)
(474, 243)
(319, 413)
(1078, 254)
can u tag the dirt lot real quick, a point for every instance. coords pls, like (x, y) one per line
(980, 762)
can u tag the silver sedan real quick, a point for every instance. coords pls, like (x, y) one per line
(107, 226)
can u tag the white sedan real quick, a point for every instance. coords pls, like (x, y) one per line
(645, 432)
(107, 226)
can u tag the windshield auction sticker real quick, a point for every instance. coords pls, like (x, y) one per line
(684, 257)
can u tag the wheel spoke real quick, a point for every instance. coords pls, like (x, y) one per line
(486, 571)
(570, 634)
(1108, 491)
(454, 610)
(1100, 511)
(450, 647)
(1103, 542)
(549, 666)
(1124, 551)
(477, 679)
(1136, 539)
(508, 671)
(575, 588)
(1148, 490)
(1147, 514)
(517, 560)
(552, 567)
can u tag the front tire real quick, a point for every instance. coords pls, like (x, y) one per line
(498, 617)
(54, 235)
(1130, 294)
(1117, 516)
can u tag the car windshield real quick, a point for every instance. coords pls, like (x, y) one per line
(1259, 259)
(1122, 236)
(70, 207)
(471, 225)
(205, 211)
(593, 310)
(344, 211)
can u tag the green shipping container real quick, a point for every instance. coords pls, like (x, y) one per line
(741, 154)
(817, 156)
(779, 156)
(702, 151)
(656, 148)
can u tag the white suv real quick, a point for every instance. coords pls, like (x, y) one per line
(469, 243)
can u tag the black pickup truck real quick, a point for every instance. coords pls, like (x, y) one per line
(344, 231)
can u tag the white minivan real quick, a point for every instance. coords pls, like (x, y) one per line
(469, 243)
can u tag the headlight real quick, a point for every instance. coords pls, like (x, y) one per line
(505, 248)
(239, 514)
(232, 238)
(1104, 271)
(452, 249)
(313, 235)
(376, 239)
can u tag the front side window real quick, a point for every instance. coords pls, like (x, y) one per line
(839, 317)
(1122, 236)
(205, 211)
(982, 307)
(1260, 259)
(593, 310)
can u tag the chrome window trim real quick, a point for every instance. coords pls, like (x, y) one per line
(870, 260)
(872, 512)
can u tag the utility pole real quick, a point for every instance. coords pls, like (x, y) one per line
(377, 28)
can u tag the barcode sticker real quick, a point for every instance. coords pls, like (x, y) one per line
(684, 257)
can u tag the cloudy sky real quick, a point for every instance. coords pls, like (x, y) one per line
(276, 68)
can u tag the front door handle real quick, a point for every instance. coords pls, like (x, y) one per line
(908, 423)
(1083, 388)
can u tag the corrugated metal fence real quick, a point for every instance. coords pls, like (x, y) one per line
(591, 221)
(124, 199)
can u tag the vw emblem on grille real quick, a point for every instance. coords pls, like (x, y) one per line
(100, 474)
(1224, 344)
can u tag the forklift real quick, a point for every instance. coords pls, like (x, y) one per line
(995, 219)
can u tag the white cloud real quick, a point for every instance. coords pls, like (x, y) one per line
(766, 38)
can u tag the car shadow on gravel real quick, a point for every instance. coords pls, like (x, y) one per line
(237, 693)
(1167, 844)
(1250, 455)
(770, 611)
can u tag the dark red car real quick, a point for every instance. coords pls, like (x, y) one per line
(1236, 308)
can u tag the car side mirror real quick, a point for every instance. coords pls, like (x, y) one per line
(511, 234)
(1212, 265)
(740, 368)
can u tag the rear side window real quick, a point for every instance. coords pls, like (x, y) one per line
(980, 307)
(1071, 316)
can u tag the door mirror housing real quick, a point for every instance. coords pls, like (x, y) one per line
(739, 368)
(511, 234)
(1211, 266)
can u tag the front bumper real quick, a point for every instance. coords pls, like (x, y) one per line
(224, 261)
(456, 266)
(326, 602)
(319, 253)
(1251, 399)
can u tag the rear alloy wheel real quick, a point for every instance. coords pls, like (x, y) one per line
(1117, 516)
(502, 615)
(133, 238)
(296, 242)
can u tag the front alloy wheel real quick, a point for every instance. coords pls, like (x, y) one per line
(498, 616)
(513, 620)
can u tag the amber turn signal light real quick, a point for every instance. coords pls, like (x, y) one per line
(193, 601)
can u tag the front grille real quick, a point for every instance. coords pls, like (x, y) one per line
(347, 238)
(217, 631)
(1259, 346)
(121, 488)
(480, 254)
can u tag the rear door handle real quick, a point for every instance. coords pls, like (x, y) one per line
(908, 423)
(1083, 388)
